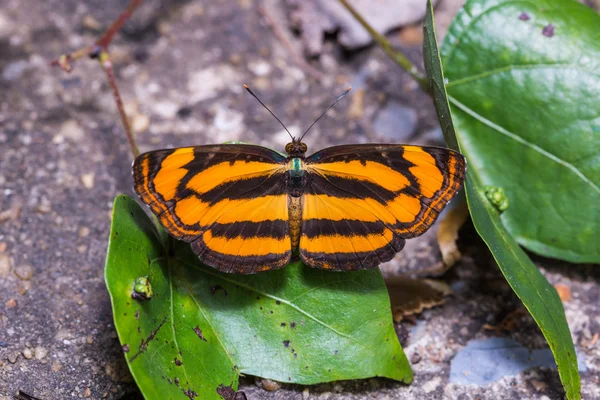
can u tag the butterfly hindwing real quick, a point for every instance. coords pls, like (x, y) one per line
(361, 201)
(228, 201)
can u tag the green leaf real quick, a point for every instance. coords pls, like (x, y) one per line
(200, 328)
(485, 205)
(538, 296)
(523, 85)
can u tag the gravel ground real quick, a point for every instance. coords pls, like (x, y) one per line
(181, 66)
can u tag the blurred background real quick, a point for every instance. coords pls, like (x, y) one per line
(180, 65)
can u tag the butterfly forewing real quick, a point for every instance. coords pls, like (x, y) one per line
(361, 201)
(228, 201)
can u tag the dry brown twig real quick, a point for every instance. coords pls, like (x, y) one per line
(99, 51)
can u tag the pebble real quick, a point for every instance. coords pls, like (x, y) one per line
(396, 122)
(40, 352)
(260, 68)
(87, 392)
(10, 303)
(56, 366)
(305, 394)
(81, 249)
(24, 272)
(13, 357)
(71, 130)
(84, 231)
(89, 340)
(14, 70)
(4, 265)
(140, 123)
(27, 353)
(165, 109)
(91, 23)
(88, 180)
(270, 385)
(3, 247)
(62, 334)
(430, 386)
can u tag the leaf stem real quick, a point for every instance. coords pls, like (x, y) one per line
(394, 54)
(99, 51)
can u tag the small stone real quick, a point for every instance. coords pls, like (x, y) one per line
(165, 109)
(62, 334)
(3, 247)
(91, 23)
(40, 352)
(15, 70)
(71, 130)
(270, 385)
(87, 392)
(305, 394)
(10, 303)
(260, 68)
(412, 35)
(140, 123)
(84, 231)
(415, 358)
(88, 180)
(56, 366)
(24, 272)
(13, 357)
(430, 386)
(4, 265)
(539, 386)
(81, 249)
(396, 122)
(564, 292)
(89, 340)
(27, 353)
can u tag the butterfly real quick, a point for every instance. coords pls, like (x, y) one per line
(246, 208)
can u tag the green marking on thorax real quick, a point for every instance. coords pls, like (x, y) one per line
(296, 167)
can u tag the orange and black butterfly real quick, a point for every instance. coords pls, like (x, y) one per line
(246, 208)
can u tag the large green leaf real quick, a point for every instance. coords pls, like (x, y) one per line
(538, 296)
(201, 329)
(524, 79)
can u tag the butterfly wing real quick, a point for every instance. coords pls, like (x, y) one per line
(362, 201)
(228, 201)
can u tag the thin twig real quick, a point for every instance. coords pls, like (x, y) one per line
(99, 51)
(394, 54)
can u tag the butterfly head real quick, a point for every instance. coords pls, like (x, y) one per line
(295, 148)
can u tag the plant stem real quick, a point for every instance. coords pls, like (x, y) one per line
(394, 54)
(99, 50)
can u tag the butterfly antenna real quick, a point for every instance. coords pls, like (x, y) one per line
(325, 112)
(267, 108)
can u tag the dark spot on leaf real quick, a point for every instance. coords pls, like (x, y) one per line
(145, 342)
(124, 314)
(524, 16)
(190, 393)
(306, 367)
(286, 343)
(125, 348)
(548, 30)
(257, 297)
(199, 333)
(227, 393)
(177, 362)
(214, 289)
(177, 381)
(139, 330)
(292, 324)
(261, 308)
(295, 355)
(271, 312)
(278, 302)
(329, 370)
(335, 352)
(283, 324)
(170, 381)
(137, 314)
